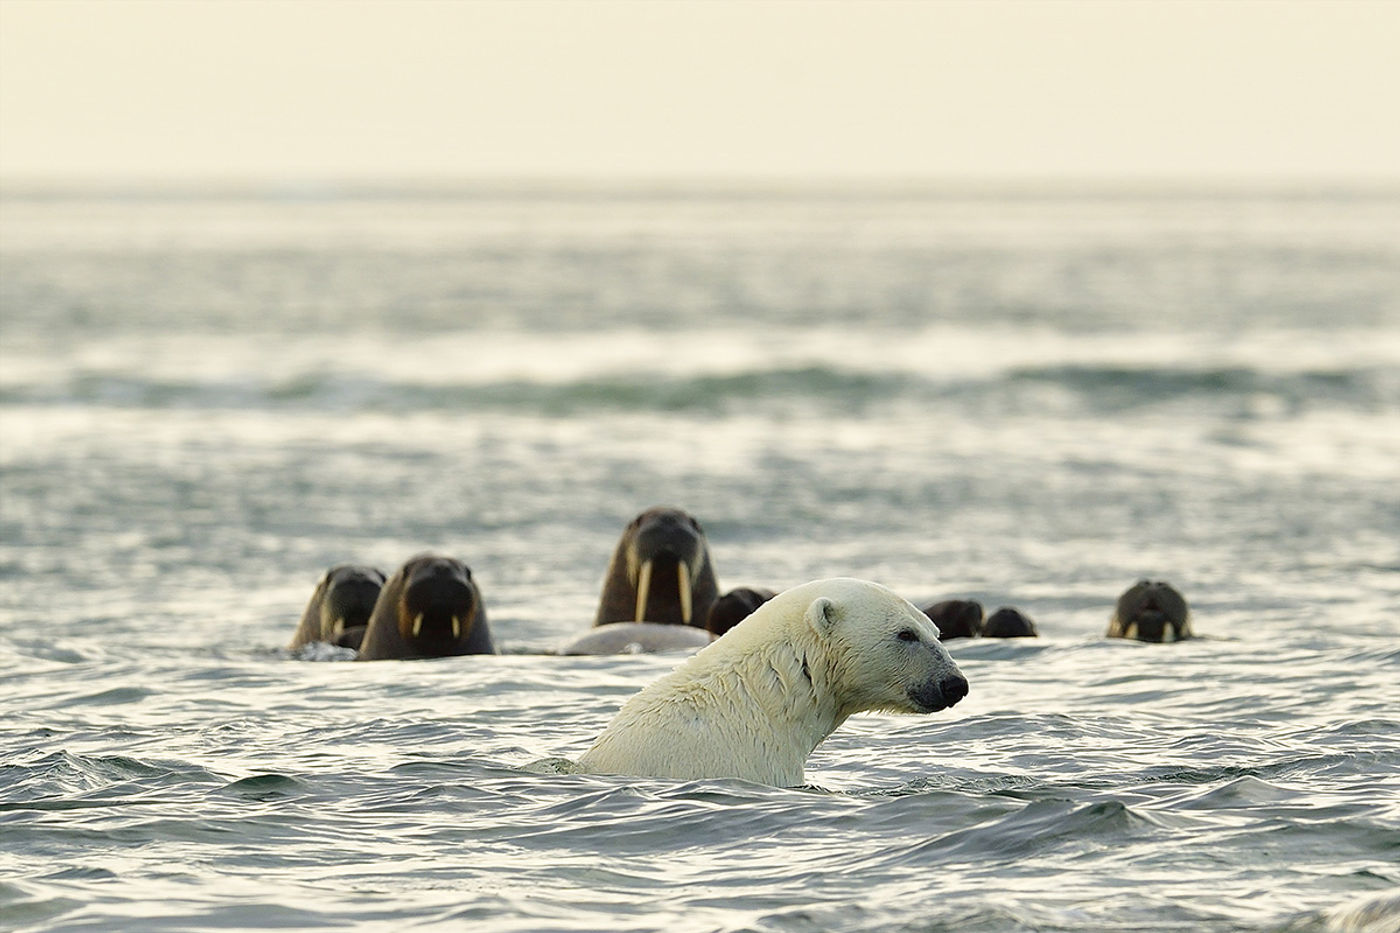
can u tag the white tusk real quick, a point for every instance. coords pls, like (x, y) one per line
(683, 581)
(643, 587)
(1168, 633)
(456, 627)
(338, 628)
(1130, 631)
(418, 625)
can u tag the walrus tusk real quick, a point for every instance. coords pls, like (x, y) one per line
(683, 581)
(643, 587)
(418, 625)
(338, 628)
(456, 627)
(1131, 631)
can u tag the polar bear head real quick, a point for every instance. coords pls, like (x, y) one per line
(880, 651)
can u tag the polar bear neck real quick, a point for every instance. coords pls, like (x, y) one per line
(793, 687)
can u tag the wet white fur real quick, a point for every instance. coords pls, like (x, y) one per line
(743, 706)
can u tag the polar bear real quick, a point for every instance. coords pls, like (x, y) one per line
(756, 702)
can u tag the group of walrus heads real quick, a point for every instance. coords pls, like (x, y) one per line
(1149, 610)
(659, 594)
(962, 618)
(430, 608)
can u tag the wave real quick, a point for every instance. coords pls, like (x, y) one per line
(1096, 388)
(1128, 386)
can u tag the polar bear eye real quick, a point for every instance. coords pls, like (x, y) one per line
(908, 635)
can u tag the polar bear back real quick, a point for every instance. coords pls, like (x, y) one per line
(756, 702)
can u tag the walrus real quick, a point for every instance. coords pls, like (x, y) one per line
(340, 607)
(734, 607)
(955, 618)
(657, 591)
(430, 608)
(1009, 623)
(1151, 610)
(660, 572)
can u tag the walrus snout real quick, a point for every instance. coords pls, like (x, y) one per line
(439, 604)
(1153, 625)
(940, 694)
(348, 607)
(349, 636)
(664, 583)
(666, 555)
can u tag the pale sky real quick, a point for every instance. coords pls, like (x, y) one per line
(416, 89)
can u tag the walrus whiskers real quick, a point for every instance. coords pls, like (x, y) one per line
(643, 588)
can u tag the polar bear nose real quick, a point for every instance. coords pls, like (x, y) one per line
(933, 696)
(953, 689)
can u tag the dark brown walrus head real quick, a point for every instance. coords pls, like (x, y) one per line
(431, 608)
(340, 607)
(1151, 610)
(956, 618)
(1009, 623)
(734, 607)
(660, 572)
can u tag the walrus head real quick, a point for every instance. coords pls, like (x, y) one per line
(1151, 610)
(956, 618)
(734, 607)
(349, 600)
(666, 557)
(1009, 623)
(438, 605)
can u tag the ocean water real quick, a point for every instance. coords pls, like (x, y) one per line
(1027, 397)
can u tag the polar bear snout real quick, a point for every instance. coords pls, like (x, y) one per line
(939, 693)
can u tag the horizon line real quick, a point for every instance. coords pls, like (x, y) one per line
(331, 184)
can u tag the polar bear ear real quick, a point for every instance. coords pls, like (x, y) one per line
(821, 615)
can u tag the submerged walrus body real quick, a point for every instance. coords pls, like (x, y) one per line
(339, 610)
(955, 618)
(1151, 610)
(734, 607)
(638, 638)
(431, 608)
(660, 574)
(1008, 622)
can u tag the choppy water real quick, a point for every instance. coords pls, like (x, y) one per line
(1025, 398)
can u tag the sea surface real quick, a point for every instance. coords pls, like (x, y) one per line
(1026, 396)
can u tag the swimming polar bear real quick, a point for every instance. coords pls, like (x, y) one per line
(755, 703)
